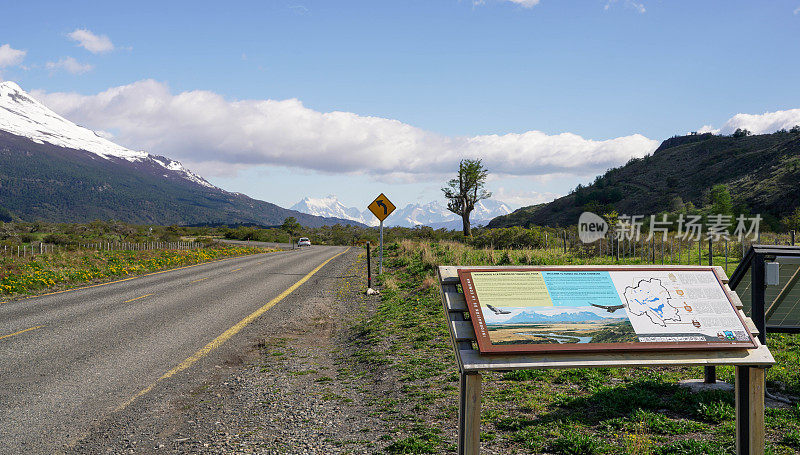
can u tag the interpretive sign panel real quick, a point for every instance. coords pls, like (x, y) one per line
(575, 309)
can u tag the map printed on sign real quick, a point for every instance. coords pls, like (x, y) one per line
(593, 309)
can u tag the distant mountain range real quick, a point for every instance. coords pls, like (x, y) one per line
(762, 174)
(433, 214)
(54, 170)
(532, 317)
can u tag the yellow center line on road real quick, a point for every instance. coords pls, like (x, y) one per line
(201, 279)
(21, 331)
(137, 298)
(236, 270)
(226, 335)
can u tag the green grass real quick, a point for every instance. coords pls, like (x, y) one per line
(578, 411)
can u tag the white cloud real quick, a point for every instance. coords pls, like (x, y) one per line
(10, 56)
(768, 122)
(708, 129)
(69, 65)
(199, 127)
(638, 6)
(525, 3)
(95, 44)
(522, 3)
(517, 198)
(797, 10)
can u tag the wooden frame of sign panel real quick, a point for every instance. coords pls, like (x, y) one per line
(486, 347)
(749, 363)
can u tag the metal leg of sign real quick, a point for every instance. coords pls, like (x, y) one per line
(380, 261)
(749, 410)
(710, 375)
(469, 415)
(757, 290)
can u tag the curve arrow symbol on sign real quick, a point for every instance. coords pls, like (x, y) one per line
(382, 204)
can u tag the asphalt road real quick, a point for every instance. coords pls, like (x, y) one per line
(283, 246)
(69, 360)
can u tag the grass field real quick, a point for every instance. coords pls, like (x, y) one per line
(580, 411)
(22, 276)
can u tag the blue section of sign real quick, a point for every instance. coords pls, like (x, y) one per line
(578, 289)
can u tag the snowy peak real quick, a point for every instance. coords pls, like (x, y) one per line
(489, 208)
(330, 206)
(433, 213)
(436, 214)
(427, 214)
(22, 115)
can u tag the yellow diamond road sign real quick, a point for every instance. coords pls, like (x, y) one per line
(381, 207)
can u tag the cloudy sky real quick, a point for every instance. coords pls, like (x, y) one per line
(282, 99)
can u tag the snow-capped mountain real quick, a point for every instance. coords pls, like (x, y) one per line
(490, 208)
(434, 214)
(54, 170)
(24, 116)
(330, 206)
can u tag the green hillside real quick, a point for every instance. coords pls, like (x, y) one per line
(762, 174)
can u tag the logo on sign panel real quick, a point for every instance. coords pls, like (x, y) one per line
(381, 207)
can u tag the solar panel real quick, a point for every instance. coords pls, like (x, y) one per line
(783, 311)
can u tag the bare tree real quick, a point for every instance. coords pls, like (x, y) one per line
(464, 191)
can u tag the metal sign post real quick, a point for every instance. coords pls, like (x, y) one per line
(369, 268)
(381, 207)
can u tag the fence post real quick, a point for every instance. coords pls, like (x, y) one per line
(726, 256)
(699, 252)
(653, 249)
(710, 252)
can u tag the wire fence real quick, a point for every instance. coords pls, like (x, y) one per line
(669, 249)
(35, 249)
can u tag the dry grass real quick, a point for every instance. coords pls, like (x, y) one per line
(427, 256)
(428, 282)
(389, 282)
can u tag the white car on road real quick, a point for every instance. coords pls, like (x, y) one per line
(304, 242)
